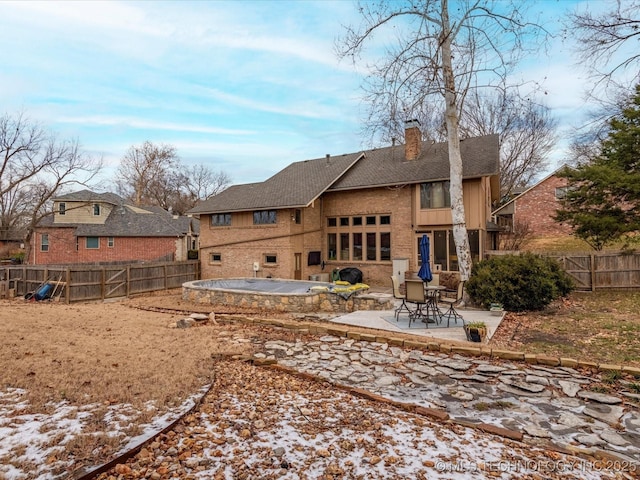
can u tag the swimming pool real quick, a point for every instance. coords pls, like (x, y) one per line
(282, 295)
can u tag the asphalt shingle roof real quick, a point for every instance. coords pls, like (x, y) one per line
(125, 220)
(89, 196)
(295, 186)
(302, 182)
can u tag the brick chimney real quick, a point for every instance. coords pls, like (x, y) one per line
(412, 139)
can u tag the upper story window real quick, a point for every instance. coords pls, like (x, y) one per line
(62, 208)
(561, 193)
(297, 216)
(220, 219)
(96, 209)
(264, 217)
(435, 195)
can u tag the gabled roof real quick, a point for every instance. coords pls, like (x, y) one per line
(387, 166)
(299, 184)
(126, 220)
(92, 197)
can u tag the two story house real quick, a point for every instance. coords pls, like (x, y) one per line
(366, 210)
(89, 227)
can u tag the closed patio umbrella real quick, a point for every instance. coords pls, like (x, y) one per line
(425, 269)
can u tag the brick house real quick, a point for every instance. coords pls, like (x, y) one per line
(535, 208)
(89, 227)
(366, 210)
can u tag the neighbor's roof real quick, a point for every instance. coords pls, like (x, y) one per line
(127, 220)
(299, 184)
(89, 196)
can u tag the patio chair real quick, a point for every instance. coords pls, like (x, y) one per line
(452, 298)
(435, 282)
(417, 295)
(398, 296)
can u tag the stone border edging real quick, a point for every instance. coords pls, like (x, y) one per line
(462, 348)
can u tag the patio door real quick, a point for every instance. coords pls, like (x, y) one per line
(297, 266)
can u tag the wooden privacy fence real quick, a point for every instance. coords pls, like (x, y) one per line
(80, 283)
(597, 270)
(602, 270)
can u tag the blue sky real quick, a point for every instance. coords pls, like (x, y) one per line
(246, 87)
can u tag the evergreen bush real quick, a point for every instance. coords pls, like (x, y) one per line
(518, 282)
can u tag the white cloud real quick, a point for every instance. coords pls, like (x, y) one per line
(151, 125)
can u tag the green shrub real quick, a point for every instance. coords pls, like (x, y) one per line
(518, 282)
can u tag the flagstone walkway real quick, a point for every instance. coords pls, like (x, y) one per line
(556, 406)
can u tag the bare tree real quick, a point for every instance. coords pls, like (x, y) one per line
(519, 233)
(526, 130)
(601, 41)
(438, 56)
(36, 166)
(144, 173)
(607, 47)
(154, 175)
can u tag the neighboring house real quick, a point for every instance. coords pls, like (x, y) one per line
(361, 210)
(535, 208)
(88, 227)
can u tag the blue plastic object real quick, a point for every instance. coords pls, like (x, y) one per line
(43, 292)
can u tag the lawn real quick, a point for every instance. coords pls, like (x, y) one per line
(601, 326)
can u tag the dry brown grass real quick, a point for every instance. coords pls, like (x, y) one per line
(602, 327)
(104, 353)
(109, 354)
(564, 243)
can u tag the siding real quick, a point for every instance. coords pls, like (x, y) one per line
(81, 212)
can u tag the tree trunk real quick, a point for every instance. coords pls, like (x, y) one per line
(460, 236)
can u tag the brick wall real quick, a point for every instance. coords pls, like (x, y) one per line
(62, 248)
(537, 207)
(396, 202)
(242, 244)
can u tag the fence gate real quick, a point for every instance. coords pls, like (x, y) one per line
(115, 283)
(581, 268)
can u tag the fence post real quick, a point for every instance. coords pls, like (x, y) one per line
(103, 286)
(68, 286)
(128, 280)
(166, 282)
(593, 272)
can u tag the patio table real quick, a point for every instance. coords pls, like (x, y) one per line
(433, 311)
